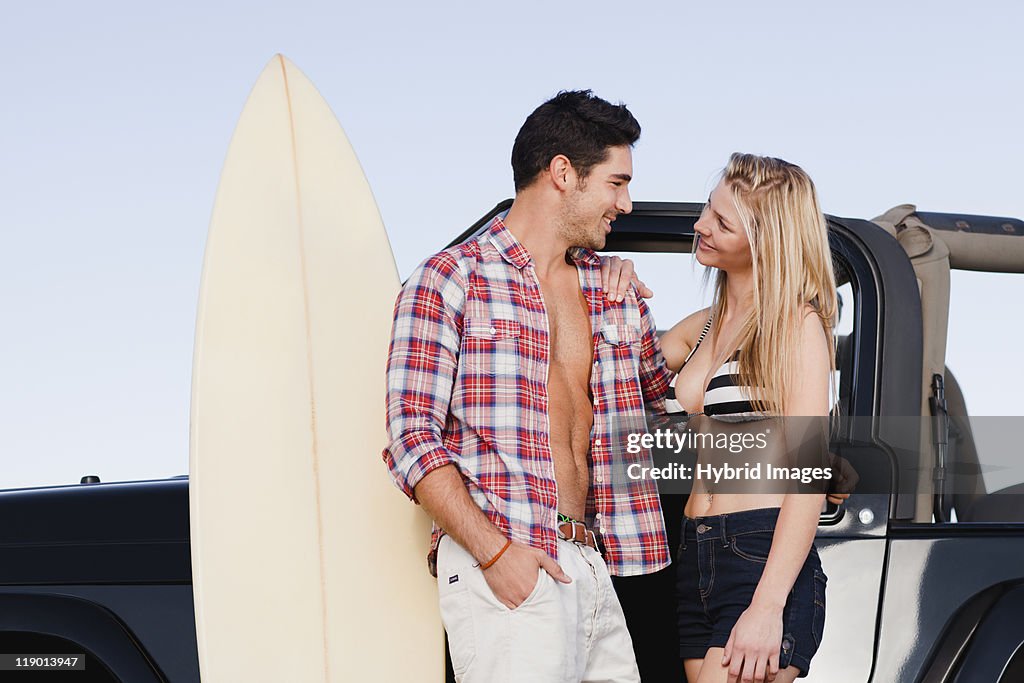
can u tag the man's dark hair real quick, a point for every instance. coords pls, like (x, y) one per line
(576, 123)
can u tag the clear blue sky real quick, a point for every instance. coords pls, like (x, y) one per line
(115, 118)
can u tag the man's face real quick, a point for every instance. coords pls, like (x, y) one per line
(593, 204)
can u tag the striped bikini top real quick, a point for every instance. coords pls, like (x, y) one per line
(725, 397)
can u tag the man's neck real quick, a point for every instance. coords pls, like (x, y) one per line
(535, 227)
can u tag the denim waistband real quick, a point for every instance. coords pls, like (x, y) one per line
(723, 527)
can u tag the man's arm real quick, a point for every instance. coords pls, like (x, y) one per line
(421, 370)
(422, 365)
(655, 376)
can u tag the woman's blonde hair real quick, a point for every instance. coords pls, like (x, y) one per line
(792, 268)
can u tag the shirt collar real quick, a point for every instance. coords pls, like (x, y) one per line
(508, 246)
(582, 255)
(517, 255)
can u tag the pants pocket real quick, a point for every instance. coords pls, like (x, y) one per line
(542, 578)
(753, 547)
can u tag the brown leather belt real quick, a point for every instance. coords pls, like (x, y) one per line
(577, 532)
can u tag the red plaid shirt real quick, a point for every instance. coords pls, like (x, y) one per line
(466, 375)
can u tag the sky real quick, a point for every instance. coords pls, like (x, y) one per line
(115, 118)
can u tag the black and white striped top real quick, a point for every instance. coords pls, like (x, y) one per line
(724, 396)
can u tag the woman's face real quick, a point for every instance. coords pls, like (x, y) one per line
(723, 242)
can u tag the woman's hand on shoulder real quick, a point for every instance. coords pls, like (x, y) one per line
(617, 275)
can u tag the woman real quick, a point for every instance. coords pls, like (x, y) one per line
(750, 587)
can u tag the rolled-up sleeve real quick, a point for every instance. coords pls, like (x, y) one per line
(655, 376)
(421, 369)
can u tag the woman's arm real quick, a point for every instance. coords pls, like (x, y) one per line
(798, 520)
(677, 342)
(758, 632)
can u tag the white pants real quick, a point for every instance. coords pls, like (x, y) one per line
(561, 633)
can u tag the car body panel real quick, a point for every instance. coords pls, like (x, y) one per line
(906, 601)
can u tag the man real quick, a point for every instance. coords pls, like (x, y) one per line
(509, 375)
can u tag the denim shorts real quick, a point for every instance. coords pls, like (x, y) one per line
(720, 561)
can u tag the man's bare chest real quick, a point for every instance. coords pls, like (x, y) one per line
(571, 337)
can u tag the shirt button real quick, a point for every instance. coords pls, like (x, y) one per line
(599, 479)
(597, 442)
(494, 330)
(597, 517)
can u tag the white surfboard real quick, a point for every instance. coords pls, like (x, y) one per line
(307, 564)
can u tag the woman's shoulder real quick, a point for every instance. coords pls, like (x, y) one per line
(811, 325)
(677, 341)
(690, 327)
(812, 340)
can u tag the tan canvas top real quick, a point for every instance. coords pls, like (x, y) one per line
(932, 254)
(967, 250)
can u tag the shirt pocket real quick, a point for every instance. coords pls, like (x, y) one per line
(490, 346)
(619, 345)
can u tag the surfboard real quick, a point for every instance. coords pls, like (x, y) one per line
(307, 563)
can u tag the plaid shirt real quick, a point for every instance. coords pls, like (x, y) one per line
(467, 385)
